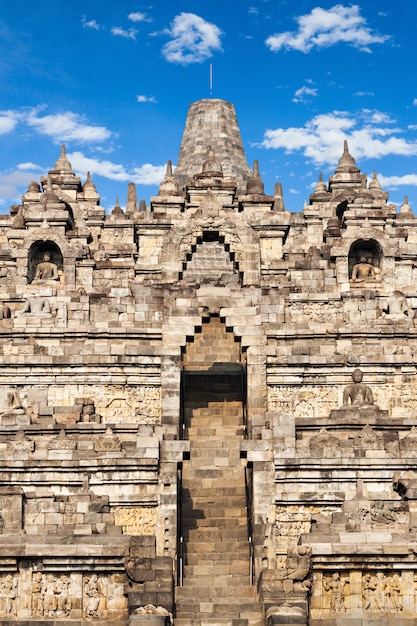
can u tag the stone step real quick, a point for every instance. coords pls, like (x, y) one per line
(207, 533)
(243, 591)
(201, 523)
(214, 519)
(215, 460)
(234, 476)
(225, 607)
(197, 419)
(238, 614)
(220, 510)
(209, 431)
(213, 568)
(222, 409)
(220, 621)
(236, 561)
(210, 499)
(193, 519)
(202, 432)
(213, 447)
(217, 480)
(218, 404)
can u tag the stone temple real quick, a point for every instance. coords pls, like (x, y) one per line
(208, 404)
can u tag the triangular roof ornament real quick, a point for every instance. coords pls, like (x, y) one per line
(168, 187)
(89, 183)
(374, 184)
(63, 164)
(255, 184)
(346, 161)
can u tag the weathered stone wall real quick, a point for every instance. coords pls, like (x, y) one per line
(100, 314)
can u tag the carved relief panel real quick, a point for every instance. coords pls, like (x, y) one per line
(60, 596)
(377, 592)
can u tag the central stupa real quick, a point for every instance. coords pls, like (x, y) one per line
(212, 122)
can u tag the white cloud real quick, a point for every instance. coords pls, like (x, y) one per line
(90, 23)
(253, 11)
(148, 174)
(304, 93)
(321, 139)
(415, 102)
(397, 181)
(324, 28)
(363, 93)
(146, 99)
(145, 175)
(29, 166)
(8, 121)
(138, 17)
(13, 181)
(122, 32)
(67, 126)
(193, 39)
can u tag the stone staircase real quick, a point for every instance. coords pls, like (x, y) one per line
(216, 589)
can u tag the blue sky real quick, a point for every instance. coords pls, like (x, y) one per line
(113, 81)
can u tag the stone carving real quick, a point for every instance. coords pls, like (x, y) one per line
(294, 577)
(334, 586)
(46, 270)
(382, 593)
(36, 306)
(21, 443)
(13, 403)
(317, 400)
(63, 601)
(92, 591)
(5, 312)
(325, 444)
(116, 599)
(396, 306)
(8, 594)
(295, 614)
(367, 439)
(298, 567)
(316, 312)
(37, 595)
(357, 394)
(363, 271)
(62, 442)
(291, 523)
(136, 520)
(408, 443)
(107, 443)
(384, 513)
(48, 595)
(150, 609)
(394, 592)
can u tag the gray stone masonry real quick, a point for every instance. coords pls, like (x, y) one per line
(208, 403)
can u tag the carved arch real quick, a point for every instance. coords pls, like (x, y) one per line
(211, 216)
(370, 249)
(36, 253)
